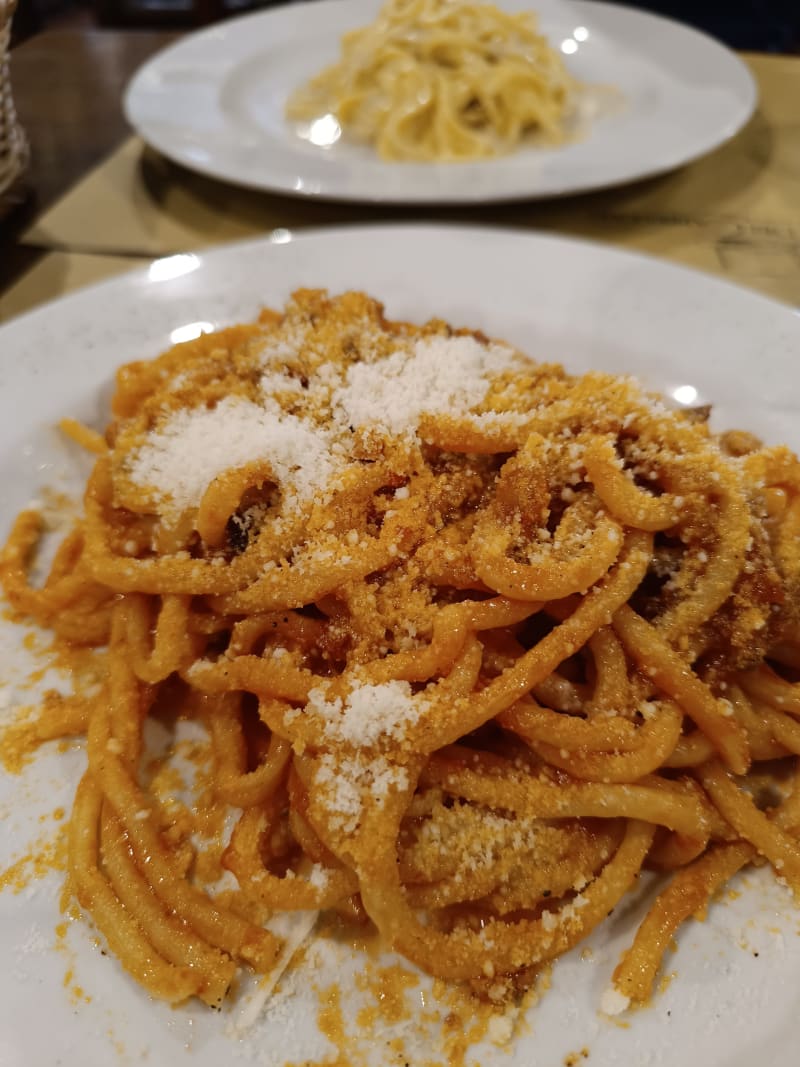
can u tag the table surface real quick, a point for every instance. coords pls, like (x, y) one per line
(97, 200)
(67, 87)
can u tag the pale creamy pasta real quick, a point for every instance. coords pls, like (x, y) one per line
(443, 80)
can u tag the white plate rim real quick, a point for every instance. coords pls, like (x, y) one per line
(419, 230)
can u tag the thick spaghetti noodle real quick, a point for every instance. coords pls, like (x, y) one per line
(474, 642)
(443, 80)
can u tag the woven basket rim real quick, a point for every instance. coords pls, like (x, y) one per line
(14, 152)
(7, 9)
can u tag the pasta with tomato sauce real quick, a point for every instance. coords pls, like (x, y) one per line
(474, 640)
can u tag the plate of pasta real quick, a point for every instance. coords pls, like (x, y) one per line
(414, 101)
(398, 655)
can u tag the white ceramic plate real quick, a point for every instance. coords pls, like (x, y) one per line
(585, 305)
(215, 103)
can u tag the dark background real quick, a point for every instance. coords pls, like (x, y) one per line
(756, 25)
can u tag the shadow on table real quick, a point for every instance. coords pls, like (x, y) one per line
(690, 194)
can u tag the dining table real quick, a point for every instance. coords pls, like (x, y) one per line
(96, 201)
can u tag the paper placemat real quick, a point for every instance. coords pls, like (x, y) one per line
(733, 212)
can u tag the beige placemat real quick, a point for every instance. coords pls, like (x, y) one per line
(734, 213)
(57, 273)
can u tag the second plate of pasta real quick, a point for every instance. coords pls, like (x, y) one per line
(414, 101)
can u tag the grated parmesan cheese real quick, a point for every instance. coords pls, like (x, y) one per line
(182, 456)
(439, 375)
(346, 781)
(613, 1002)
(318, 877)
(368, 714)
(500, 1029)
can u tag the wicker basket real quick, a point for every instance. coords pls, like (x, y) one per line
(13, 145)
